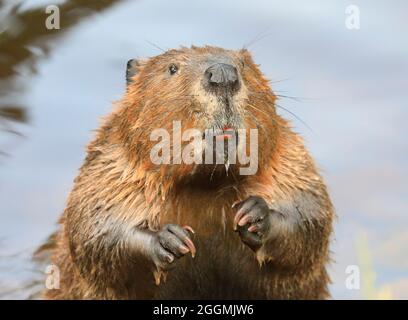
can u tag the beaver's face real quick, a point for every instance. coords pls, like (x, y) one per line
(203, 88)
(208, 87)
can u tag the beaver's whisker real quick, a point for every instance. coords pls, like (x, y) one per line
(155, 45)
(185, 97)
(290, 112)
(293, 114)
(277, 81)
(257, 109)
(234, 177)
(297, 99)
(258, 37)
(265, 113)
(256, 121)
(212, 173)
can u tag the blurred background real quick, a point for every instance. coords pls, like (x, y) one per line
(346, 91)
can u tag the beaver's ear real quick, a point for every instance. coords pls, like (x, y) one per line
(132, 69)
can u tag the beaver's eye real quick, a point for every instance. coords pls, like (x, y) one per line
(173, 69)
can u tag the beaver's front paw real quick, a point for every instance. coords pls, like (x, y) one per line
(171, 243)
(252, 221)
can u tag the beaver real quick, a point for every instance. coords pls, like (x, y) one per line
(137, 229)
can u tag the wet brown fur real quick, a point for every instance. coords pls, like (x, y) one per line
(118, 188)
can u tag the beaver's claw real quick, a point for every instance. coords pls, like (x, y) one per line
(170, 243)
(252, 221)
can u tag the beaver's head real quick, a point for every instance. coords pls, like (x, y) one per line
(205, 88)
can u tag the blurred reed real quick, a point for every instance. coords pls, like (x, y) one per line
(24, 40)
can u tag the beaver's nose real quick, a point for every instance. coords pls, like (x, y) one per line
(222, 75)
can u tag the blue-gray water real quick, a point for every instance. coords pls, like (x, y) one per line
(353, 85)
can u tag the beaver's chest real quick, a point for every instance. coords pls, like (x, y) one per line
(223, 267)
(208, 213)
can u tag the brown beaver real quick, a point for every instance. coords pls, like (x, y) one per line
(131, 227)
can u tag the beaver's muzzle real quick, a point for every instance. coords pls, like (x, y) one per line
(221, 76)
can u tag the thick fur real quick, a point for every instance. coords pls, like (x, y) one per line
(119, 190)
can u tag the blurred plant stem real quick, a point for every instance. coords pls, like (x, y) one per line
(368, 275)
